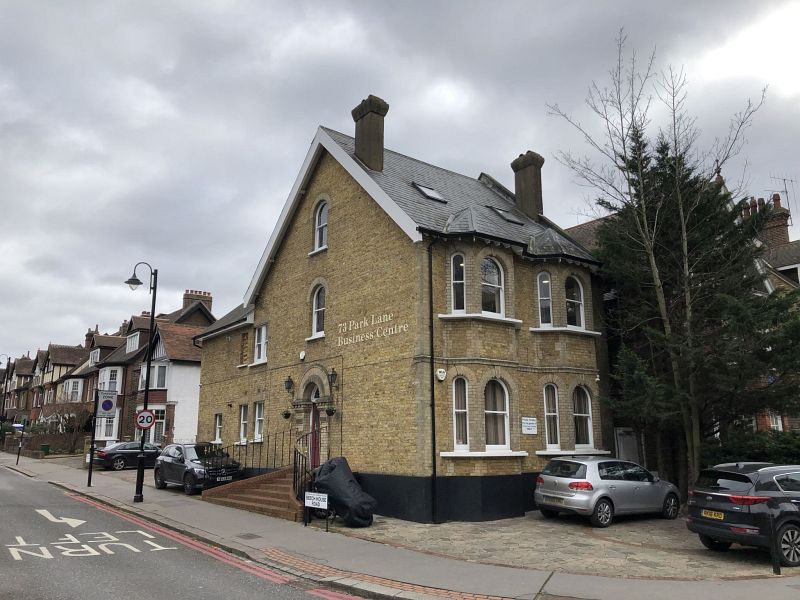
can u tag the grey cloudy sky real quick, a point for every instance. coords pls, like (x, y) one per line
(171, 132)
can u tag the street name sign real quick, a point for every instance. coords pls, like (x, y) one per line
(315, 500)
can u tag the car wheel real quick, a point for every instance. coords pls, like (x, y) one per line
(789, 544)
(159, 479)
(713, 544)
(118, 463)
(548, 513)
(189, 484)
(671, 507)
(603, 513)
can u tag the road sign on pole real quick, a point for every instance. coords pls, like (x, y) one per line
(106, 404)
(145, 419)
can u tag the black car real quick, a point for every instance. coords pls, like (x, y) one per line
(124, 454)
(734, 503)
(194, 466)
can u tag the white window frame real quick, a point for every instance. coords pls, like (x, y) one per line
(588, 417)
(105, 378)
(775, 421)
(548, 415)
(258, 421)
(102, 427)
(218, 428)
(579, 303)
(540, 284)
(243, 423)
(94, 356)
(504, 413)
(316, 311)
(321, 227)
(155, 370)
(74, 392)
(132, 342)
(454, 282)
(464, 447)
(501, 299)
(260, 344)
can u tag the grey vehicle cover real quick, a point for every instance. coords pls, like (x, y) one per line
(345, 496)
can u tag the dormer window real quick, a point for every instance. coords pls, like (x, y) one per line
(132, 343)
(507, 215)
(321, 227)
(94, 356)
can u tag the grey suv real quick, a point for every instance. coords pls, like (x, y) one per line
(601, 488)
(194, 466)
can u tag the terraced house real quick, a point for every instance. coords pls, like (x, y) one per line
(435, 329)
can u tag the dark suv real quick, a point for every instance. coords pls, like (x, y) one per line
(194, 466)
(735, 502)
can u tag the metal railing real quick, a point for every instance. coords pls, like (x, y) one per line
(273, 451)
(310, 451)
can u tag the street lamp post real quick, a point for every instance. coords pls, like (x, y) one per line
(135, 282)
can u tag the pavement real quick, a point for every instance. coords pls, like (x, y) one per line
(527, 558)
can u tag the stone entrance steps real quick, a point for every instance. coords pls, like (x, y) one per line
(270, 494)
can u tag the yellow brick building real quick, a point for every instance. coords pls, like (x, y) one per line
(454, 329)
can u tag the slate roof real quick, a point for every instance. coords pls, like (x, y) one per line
(41, 357)
(784, 255)
(586, 233)
(67, 355)
(235, 317)
(177, 340)
(470, 206)
(108, 341)
(177, 316)
(23, 366)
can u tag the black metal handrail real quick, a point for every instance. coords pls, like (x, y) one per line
(271, 452)
(308, 454)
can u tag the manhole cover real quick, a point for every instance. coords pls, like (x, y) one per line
(248, 536)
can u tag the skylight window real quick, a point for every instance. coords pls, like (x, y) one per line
(429, 192)
(507, 215)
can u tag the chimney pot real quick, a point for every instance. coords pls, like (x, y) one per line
(745, 206)
(776, 200)
(369, 116)
(753, 206)
(528, 183)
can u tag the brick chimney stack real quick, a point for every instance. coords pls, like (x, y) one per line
(87, 341)
(369, 117)
(776, 230)
(192, 296)
(528, 183)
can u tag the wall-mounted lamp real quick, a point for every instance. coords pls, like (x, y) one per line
(333, 376)
(597, 378)
(289, 384)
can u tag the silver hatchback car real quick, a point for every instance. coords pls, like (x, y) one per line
(600, 487)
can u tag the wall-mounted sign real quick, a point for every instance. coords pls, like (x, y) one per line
(529, 426)
(369, 328)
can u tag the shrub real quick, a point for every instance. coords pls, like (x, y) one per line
(781, 447)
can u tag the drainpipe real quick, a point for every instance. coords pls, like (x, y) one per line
(434, 507)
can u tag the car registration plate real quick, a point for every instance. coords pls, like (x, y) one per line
(553, 500)
(226, 478)
(712, 514)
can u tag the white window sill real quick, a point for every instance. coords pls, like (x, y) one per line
(252, 364)
(569, 329)
(217, 441)
(576, 452)
(316, 336)
(240, 443)
(486, 454)
(318, 250)
(481, 317)
(257, 440)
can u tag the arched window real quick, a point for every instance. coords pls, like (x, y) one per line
(496, 413)
(321, 227)
(318, 316)
(460, 420)
(491, 287)
(551, 416)
(582, 412)
(545, 300)
(457, 283)
(574, 294)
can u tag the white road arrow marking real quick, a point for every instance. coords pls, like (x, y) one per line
(71, 522)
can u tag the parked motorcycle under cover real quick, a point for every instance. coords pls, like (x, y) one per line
(345, 496)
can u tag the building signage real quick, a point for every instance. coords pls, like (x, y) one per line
(368, 328)
(529, 426)
(315, 500)
(106, 404)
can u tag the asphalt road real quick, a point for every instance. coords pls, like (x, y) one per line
(58, 546)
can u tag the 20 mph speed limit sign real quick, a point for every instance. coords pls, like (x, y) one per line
(145, 419)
